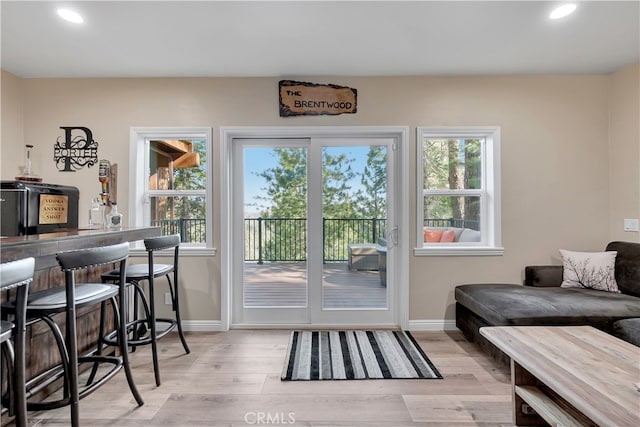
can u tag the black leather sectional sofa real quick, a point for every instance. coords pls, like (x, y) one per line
(541, 301)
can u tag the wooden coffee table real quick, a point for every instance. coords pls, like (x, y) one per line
(573, 375)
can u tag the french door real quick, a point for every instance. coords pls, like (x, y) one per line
(312, 231)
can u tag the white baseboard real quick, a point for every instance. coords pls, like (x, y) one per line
(202, 326)
(432, 325)
(315, 326)
(414, 325)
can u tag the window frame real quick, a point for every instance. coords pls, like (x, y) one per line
(490, 211)
(139, 194)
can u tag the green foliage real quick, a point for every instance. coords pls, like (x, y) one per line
(286, 190)
(285, 196)
(184, 214)
(372, 200)
(337, 195)
(191, 179)
(452, 164)
(436, 176)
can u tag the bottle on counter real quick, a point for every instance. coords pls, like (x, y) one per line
(114, 218)
(96, 214)
(27, 172)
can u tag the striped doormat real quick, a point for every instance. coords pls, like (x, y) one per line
(355, 355)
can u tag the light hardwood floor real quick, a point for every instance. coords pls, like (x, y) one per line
(230, 378)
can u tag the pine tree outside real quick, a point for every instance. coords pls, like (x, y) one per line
(354, 203)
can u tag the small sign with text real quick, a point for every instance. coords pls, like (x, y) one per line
(311, 99)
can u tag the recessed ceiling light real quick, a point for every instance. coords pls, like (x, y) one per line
(562, 11)
(70, 15)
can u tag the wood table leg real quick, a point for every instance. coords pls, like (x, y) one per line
(523, 414)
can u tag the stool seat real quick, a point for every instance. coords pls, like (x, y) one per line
(139, 271)
(56, 298)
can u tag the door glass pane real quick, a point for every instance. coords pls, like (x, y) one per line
(354, 214)
(275, 227)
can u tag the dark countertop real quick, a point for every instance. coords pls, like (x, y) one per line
(43, 247)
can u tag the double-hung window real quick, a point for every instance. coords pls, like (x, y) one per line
(170, 183)
(458, 191)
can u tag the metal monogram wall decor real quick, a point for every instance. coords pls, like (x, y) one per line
(78, 149)
(311, 99)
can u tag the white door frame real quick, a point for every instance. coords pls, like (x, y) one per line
(400, 270)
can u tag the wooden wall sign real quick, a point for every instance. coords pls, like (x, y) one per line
(310, 99)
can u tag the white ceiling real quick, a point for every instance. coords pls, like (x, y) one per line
(307, 38)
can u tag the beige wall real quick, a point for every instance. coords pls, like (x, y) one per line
(11, 120)
(556, 191)
(624, 151)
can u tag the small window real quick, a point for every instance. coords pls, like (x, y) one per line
(458, 191)
(171, 170)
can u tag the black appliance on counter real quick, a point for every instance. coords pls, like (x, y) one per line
(28, 208)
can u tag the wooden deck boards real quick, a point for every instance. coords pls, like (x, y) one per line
(284, 285)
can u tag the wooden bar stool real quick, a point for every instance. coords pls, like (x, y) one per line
(43, 305)
(18, 275)
(147, 330)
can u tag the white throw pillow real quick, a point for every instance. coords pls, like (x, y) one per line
(591, 270)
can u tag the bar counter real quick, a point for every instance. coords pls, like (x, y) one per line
(41, 350)
(43, 247)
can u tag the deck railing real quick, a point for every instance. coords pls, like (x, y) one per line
(285, 239)
(191, 230)
(473, 224)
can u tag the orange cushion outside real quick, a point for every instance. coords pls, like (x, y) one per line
(432, 236)
(448, 236)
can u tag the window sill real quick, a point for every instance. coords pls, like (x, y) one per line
(184, 252)
(459, 251)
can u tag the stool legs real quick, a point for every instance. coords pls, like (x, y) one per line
(9, 401)
(173, 288)
(72, 347)
(16, 392)
(101, 332)
(121, 324)
(120, 321)
(153, 329)
(173, 291)
(19, 388)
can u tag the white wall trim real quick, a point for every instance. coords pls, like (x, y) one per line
(138, 179)
(227, 134)
(404, 225)
(432, 325)
(314, 326)
(202, 326)
(459, 251)
(413, 325)
(491, 192)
